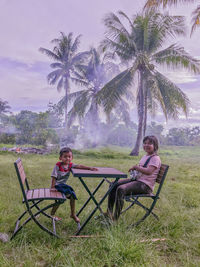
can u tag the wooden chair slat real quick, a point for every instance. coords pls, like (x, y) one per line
(29, 194)
(21, 172)
(36, 194)
(59, 194)
(41, 193)
(54, 194)
(47, 193)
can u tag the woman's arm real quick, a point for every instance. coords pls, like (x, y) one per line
(149, 170)
(83, 167)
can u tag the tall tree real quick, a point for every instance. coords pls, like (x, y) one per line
(140, 44)
(66, 59)
(164, 3)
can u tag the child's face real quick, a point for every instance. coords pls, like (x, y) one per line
(148, 147)
(66, 157)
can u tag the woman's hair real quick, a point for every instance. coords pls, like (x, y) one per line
(153, 140)
(65, 150)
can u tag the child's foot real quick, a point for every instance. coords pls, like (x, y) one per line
(56, 218)
(75, 218)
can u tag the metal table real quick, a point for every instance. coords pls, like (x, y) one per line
(105, 174)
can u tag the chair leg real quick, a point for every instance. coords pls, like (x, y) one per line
(131, 205)
(148, 210)
(33, 217)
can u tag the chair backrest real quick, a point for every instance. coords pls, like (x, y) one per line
(161, 177)
(21, 177)
(162, 173)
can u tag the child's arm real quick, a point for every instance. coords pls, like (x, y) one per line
(83, 167)
(53, 182)
(149, 170)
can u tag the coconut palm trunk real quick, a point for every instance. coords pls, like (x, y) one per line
(135, 151)
(67, 90)
(145, 112)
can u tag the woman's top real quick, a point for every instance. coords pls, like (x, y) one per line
(150, 179)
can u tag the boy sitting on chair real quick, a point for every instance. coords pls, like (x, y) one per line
(60, 175)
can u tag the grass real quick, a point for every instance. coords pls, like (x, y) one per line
(178, 209)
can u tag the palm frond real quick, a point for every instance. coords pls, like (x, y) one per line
(174, 99)
(175, 56)
(72, 96)
(76, 44)
(195, 19)
(79, 82)
(154, 95)
(123, 111)
(118, 32)
(81, 103)
(60, 84)
(56, 65)
(53, 76)
(157, 3)
(79, 57)
(113, 91)
(49, 53)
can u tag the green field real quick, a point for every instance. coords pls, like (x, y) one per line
(178, 209)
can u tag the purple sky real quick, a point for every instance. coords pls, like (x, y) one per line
(26, 25)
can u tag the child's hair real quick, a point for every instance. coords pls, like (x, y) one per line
(153, 140)
(65, 150)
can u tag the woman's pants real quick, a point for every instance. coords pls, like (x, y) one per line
(121, 189)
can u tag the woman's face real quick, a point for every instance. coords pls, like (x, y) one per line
(148, 147)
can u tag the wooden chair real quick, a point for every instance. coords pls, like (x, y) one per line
(133, 199)
(32, 198)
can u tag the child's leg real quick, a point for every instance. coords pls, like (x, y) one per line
(73, 214)
(54, 209)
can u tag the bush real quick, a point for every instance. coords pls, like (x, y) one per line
(7, 138)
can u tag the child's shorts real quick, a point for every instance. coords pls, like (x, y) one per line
(66, 189)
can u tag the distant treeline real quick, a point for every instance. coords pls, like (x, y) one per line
(42, 128)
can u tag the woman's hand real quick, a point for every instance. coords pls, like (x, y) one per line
(133, 168)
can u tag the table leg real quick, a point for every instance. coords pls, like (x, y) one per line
(97, 203)
(93, 193)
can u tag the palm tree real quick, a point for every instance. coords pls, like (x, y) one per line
(140, 45)
(93, 77)
(66, 59)
(164, 3)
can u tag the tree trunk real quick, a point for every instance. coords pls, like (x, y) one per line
(145, 113)
(66, 116)
(66, 101)
(135, 151)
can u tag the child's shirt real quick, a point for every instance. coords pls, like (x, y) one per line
(150, 179)
(60, 173)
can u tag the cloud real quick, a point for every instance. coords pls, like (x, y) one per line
(25, 86)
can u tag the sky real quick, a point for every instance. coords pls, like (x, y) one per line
(27, 25)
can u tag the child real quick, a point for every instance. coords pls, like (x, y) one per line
(60, 175)
(147, 169)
